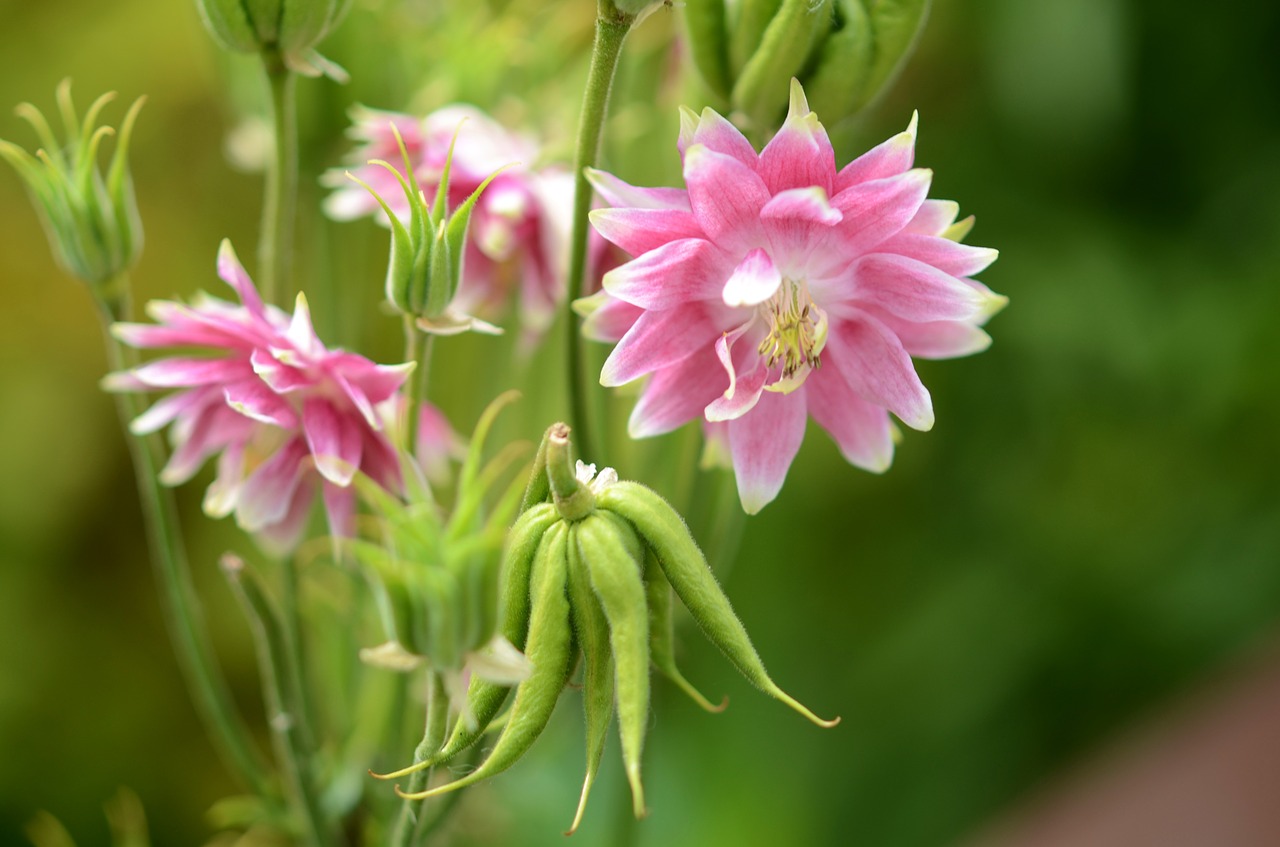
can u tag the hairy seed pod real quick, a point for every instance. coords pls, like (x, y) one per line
(615, 576)
(838, 84)
(662, 633)
(549, 646)
(592, 630)
(748, 28)
(664, 531)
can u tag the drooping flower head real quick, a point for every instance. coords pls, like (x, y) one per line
(778, 287)
(284, 414)
(516, 238)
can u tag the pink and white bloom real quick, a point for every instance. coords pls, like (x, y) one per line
(777, 286)
(284, 414)
(519, 229)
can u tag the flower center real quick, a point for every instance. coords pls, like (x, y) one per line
(797, 330)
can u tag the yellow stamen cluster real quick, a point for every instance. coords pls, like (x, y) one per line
(793, 336)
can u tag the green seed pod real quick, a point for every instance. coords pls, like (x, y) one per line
(664, 531)
(752, 20)
(838, 83)
(573, 499)
(289, 29)
(528, 541)
(662, 633)
(791, 36)
(709, 43)
(592, 630)
(550, 649)
(615, 576)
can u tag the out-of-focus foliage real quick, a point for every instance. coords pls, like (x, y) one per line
(1089, 529)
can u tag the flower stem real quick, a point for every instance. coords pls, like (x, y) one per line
(417, 348)
(611, 31)
(407, 827)
(280, 193)
(282, 690)
(183, 615)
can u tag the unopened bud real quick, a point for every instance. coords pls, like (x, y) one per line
(290, 28)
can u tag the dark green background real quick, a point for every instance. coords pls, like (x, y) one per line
(1092, 527)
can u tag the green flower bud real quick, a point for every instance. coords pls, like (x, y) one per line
(289, 28)
(91, 219)
(426, 250)
(844, 52)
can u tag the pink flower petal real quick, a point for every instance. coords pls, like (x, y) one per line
(677, 394)
(939, 339)
(164, 410)
(641, 230)
(253, 399)
(220, 497)
(657, 340)
(862, 430)
(713, 131)
(871, 359)
(376, 382)
(232, 273)
(763, 444)
(754, 281)
(875, 210)
(945, 255)
(913, 290)
(340, 509)
(726, 196)
(334, 441)
(267, 495)
(674, 274)
(301, 333)
(934, 217)
(280, 377)
(747, 375)
(615, 192)
(282, 535)
(188, 372)
(889, 158)
(611, 319)
(800, 154)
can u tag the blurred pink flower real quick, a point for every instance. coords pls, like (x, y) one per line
(283, 413)
(519, 229)
(771, 265)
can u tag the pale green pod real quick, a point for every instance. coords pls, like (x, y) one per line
(837, 86)
(592, 630)
(709, 43)
(662, 633)
(527, 540)
(747, 28)
(615, 576)
(896, 26)
(229, 24)
(760, 90)
(664, 531)
(549, 647)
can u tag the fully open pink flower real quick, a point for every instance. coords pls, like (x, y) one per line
(777, 287)
(518, 233)
(283, 413)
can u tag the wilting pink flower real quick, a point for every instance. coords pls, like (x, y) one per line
(777, 287)
(519, 229)
(283, 413)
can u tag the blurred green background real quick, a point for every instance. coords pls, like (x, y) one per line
(1092, 528)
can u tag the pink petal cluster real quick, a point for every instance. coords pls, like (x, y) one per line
(284, 414)
(778, 287)
(519, 229)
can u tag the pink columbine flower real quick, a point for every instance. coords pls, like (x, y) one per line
(777, 287)
(283, 413)
(518, 235)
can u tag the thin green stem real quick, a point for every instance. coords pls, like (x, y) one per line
(280, 194)
(183, 615)
(611, 32)
(281, 684)
(418, 346)
(433, 736)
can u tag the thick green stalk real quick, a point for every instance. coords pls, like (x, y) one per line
(281, 688)
(183, 615)
(410, 822)
(611, 31)
(280, 194)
